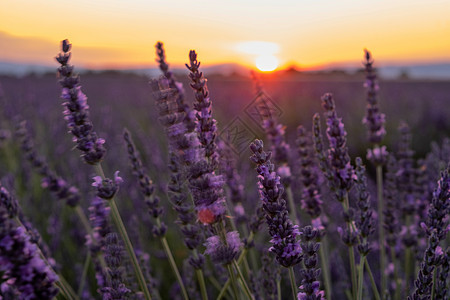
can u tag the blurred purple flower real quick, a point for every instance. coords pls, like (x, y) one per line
(223, 252)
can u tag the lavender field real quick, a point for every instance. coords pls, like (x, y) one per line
(119, 186)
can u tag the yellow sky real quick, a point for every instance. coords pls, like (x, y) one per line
(120, 33)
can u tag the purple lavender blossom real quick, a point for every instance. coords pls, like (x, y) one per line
(98, 217)
(205, 185)
(21, 264)
(283, 232)
(337, 167)
(364, 221)
(107, 188)
(223, 251)
(374, 120)
(183, 159)
(146, 186)
(440, 207)
(311, 200)
(76, 111)
(115, 289)
(391, 211)
(9, 202)
(206, 124)
(441, 287)
(50, 180)
(431, 259)
(436, 228)
(310, 286)
(173, 83)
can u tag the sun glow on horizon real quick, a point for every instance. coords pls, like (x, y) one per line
(265, 59)
(266, 63)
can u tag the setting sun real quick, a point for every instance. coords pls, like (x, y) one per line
(266, 63)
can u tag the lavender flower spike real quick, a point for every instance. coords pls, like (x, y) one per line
(206, 124)
(116, 289)
(374, 120)
(283, 232)
(440, 207)
(20, 263)
(342, 173)
(77, 110)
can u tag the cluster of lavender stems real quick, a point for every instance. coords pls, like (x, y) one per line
(207, 187)
(152, 201)
(79, 124)
(28, 269)
(275, 133)
(374, 120)
(412, 211)
(179, 120)
(335, 164)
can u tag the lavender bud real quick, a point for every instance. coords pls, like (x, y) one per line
(107, 188)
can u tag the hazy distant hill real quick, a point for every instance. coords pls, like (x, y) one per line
(419, 71)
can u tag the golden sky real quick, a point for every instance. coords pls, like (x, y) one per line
(308, 33)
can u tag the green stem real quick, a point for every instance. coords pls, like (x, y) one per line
(361, 276)
(279, 288)
(239, 261)
(433, 286)
(396, 277)
(325, 269)
(66, 289)
(87, 226)
(84, 220)
(351, 252)
(124, 235)
(84, 274)
(372, 281)
(201, 281)
(379, 171)
(293, 211)
(246, 288)
(233, 281)
(293, 284)
(174, 266)
(351, 255)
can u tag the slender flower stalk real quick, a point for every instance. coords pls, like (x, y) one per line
(50, 180)
(364, 222)
(152, 201)
(311, 199)
(405, 179)
(207, 187)
(339, 172)
(77, 116)
(374, 120)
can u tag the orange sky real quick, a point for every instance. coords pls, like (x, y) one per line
(119, 33)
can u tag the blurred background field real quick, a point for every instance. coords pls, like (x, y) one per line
(121, 100)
